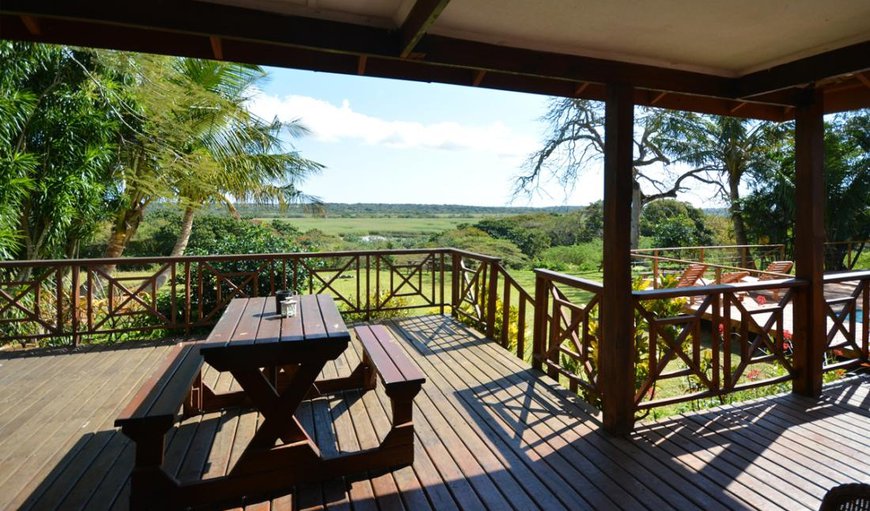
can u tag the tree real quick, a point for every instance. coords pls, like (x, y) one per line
(235, 153)
(575, 139)
(727, 148)
(770, 208)
(673, 223)
(57, 139)
(197, 143)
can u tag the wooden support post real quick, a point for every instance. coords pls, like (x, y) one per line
(809, 308)
(617, 312)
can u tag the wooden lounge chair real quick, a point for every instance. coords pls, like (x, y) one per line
(691, 275)
(847, 497)
(733, 277)
(776, 267)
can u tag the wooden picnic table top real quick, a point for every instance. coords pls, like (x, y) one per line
(250, 333)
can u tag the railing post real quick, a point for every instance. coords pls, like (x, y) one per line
(810, 332)
(655, 269)
(491, 299)
(74, 305)
(456, 281)
(539, 328)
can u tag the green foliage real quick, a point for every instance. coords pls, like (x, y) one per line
(525, 231)
(771, 206)
(383, 307)
(475, 240)
(534, 233)
(58, 133)
(583, 258)
(672, 223)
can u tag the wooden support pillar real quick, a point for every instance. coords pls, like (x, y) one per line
(810, 324)
(616, 356)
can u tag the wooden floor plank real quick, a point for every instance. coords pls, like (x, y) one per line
(58, 431)
(490, 434)
(644, 480)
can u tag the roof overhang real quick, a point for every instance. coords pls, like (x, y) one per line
(682, 54)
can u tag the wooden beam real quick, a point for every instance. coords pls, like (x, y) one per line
(228, 22)
(478, 78)
(851, 59)
(422, 15)
(216, 47)
(737, 107)
(810, 335)
(616, 348)
(658, 97)
(862, 77)
(582, 86)
(235, 50)
(32, 25)
(361, 65)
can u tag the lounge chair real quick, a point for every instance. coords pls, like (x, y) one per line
(782, 267)
(691, 275)
(733, 277)
(776, 267)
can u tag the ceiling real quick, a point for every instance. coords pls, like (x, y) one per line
(740, 57)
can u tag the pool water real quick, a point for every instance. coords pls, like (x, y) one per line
(859, 317)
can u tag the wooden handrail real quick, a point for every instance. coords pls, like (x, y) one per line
(705, 247)
(711, 265)
(570, 280)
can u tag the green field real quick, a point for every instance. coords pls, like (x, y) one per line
(382, 226)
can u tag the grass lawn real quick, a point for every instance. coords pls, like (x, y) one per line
(383, 226)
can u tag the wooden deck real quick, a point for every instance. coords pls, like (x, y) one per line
(491, 434)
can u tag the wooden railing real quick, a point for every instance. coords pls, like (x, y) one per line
(701, 342)
(566, 334)
(737, 256)
(690, 343)
(67, 301)
(660, 265)
(848, 340)
(489, 298)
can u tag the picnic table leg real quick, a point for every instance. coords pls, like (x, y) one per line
(401, 435)
(149, 484)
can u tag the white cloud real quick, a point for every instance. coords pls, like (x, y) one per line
(331, 123)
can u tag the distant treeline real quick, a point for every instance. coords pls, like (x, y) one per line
(339, 210)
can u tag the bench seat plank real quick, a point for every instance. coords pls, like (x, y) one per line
(162, 395)
(391, 362)
(390, 374)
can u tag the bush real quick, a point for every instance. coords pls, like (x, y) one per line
(397, 303)
(585, 257)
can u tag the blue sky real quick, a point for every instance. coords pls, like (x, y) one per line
(392, 141)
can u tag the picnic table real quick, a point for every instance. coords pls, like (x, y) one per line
(276, 361)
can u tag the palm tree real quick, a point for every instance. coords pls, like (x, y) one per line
(233, 153)
(196, 142)
(730, 148)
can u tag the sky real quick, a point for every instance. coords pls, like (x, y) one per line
(391, 141)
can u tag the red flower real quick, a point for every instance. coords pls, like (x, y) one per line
(786, 335)
(753, 374)
(721, 328)
(760, 300)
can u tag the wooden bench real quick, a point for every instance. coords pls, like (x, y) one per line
(402, 380)
(154, 410)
